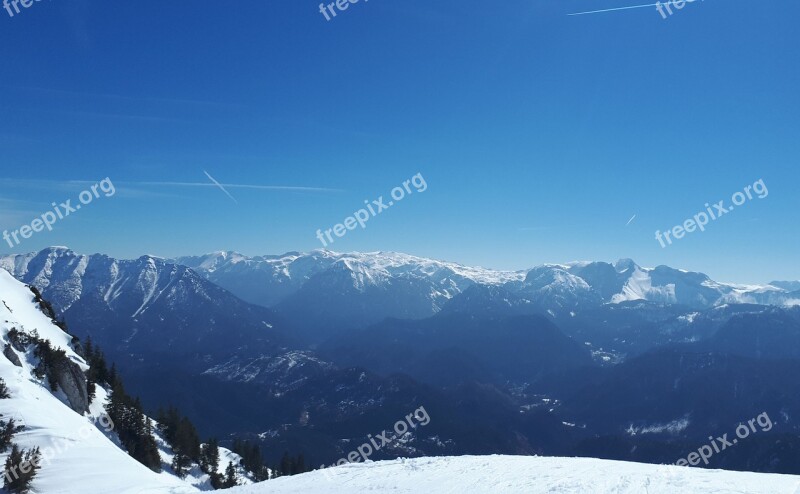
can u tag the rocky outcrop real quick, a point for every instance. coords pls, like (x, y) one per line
(72, 381)
(12, 355)
(61, 371)
(19, 340)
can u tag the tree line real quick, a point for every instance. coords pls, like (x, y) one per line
(135, 430)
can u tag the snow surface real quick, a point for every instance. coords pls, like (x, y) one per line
(522, 474)
(84, 459)
(640, 287)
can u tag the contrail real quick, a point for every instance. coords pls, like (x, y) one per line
(54, 184)
(221, 187)
(630, 220)
(622, 8)
(234, 186)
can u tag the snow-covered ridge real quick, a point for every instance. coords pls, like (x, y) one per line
(522, 475)
(373, 264)
(571, 283)
(82, 452)
(84, 458)
(67, 276)
(389, 284)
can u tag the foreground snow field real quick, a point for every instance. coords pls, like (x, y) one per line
(520, 474)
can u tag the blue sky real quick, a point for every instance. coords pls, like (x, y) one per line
(539, 134)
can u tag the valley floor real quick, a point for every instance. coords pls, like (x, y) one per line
(518, 474)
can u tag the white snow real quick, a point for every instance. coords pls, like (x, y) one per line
(370, 266)
(640, 287)
(83, 459)
(520, 474)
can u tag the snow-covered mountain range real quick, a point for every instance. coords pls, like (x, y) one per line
(130, 304)
(400, 285)
(269, 280)
(364, 288)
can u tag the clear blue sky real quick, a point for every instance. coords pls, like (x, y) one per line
(539, 134)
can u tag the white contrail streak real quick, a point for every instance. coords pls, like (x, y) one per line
(54, 184)
(235, 186)
(221, 187)
(621, 8)
(630, 220)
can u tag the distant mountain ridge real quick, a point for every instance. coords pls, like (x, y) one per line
(147, 306)
(323, 292)
(365, 288)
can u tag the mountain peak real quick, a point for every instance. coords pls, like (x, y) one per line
(56, 249)
(790, 286)
(625, 265)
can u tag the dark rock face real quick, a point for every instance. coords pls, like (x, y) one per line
(18, 341)
(72, 381)
(12, 355)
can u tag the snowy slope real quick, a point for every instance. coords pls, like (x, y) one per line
(83, 458)
(517, 474)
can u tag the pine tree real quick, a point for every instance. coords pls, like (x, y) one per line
(209, 463)
(252, 461)
(182, 436)
(262, 473)
(7, 431)
(287, 465)
(149, 447)
(180, 464)
(88, 349)
(91, 390)
(4, 390)
(300, 464)
(98, 370)
(252, 457)
(230, 476)
(50, 361)
(209, 456)
(99, 363)
(112, 375)
(20, 469)
(133, 428)
(169, 422)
